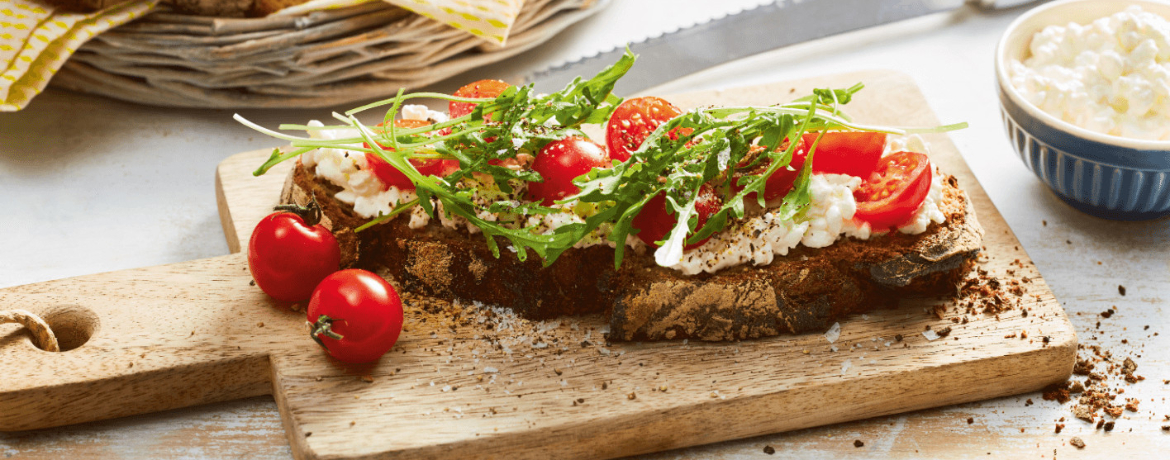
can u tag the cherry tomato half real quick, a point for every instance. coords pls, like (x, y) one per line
(289, 253)
(355, 315)
(479, 89)
(391, 176)
(654, 222)
(894, 191)
(852, 153)
(780, 182)
(559, 162)
(633, 120)
(847, 152)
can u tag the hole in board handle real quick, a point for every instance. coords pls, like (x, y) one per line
(72, 324)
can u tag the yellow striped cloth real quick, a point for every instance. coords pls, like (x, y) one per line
(490, 20)
(35, 40)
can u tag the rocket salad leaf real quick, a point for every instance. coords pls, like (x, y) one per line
(717, 141)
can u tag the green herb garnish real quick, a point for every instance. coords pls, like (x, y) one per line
(716, 142)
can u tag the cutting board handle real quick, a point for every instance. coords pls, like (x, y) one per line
(141, 341)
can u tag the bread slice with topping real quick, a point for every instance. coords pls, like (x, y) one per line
(806, 290)
(740, 181)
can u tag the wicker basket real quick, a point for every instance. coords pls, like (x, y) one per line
(320, 59)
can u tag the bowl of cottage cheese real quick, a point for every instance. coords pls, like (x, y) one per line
(1084, 89)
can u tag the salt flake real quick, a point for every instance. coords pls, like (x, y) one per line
(833, 333)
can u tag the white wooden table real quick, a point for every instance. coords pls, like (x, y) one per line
(93, 185)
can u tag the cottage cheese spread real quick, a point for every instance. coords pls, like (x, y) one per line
(758, 239)
(828, 218)
(1111, 76)
(348, 170)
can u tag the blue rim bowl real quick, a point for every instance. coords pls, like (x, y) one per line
(1102, 175)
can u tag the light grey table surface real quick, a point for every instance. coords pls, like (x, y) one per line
(94, 185)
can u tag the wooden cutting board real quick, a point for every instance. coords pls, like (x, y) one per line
(477, 383)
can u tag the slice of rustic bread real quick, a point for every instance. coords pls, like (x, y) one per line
(807, 290)
(450, 264)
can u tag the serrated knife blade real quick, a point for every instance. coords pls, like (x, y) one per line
(738, 35)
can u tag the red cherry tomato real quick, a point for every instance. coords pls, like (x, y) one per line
(894, 191)
(479, 89)
(355, 315)
(847, 152)
(391, 176)
(852, 153)
(654, 222)
(780, 182)
(288, 255)
(633, 120)
(560, 162)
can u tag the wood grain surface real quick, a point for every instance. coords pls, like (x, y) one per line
(195, 332)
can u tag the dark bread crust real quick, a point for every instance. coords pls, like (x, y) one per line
(805, 291)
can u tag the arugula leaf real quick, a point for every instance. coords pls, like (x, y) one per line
(719, 146)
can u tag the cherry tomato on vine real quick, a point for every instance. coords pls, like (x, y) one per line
(290, 252)
(633, 120)
(355, 315)
(847, 152)
(891, 194)
(391, 176)
(654, 222)
(559, 162)
(479, 89)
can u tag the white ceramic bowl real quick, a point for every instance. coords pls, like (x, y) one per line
(1104, 175)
